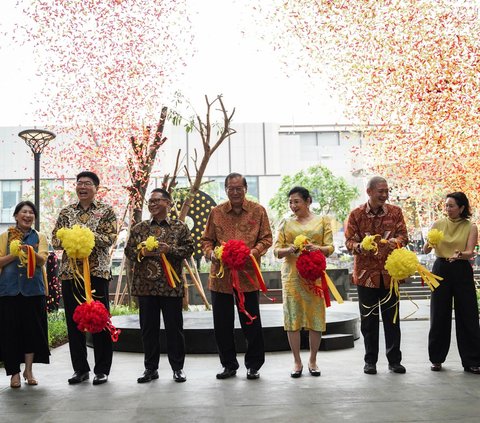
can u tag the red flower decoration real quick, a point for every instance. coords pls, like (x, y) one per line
(311, 265)
(235, 254)
(91, 317)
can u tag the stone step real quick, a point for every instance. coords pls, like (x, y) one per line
(336, 341)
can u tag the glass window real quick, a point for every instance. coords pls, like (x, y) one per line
(10, 197)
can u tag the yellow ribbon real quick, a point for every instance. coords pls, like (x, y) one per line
(218, 251)
(428, 277)
(171, 274)
(88, 283)
(394, 287)
(333, 289)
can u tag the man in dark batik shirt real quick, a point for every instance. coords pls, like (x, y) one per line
(150, 284)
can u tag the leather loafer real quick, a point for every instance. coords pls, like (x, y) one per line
(436, 367)
(226, 373)
(253, 374)
(78, 377)
(397, 368)
(100, 378)
(179, 376)
(148, 376)
(472, 369)
(314, 372)
(370, 369)
(296, 373)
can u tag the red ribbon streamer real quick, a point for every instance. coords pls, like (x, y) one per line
(240, 296)
(31, 262)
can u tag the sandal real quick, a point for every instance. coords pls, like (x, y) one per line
(15, 383)
(30, 381)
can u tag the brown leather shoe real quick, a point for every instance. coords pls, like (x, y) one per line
(436, 367)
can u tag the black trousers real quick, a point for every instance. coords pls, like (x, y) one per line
(171, 308)
(23, 330)
(457, 285)
(102, 343)
(369, 299)
(223, 322)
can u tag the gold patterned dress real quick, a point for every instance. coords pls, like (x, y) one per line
(302, 308)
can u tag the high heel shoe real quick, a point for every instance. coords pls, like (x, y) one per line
(314, 372)
(296, 373)
(30, 381)
(15, 383)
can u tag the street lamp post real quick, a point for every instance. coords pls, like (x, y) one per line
(37, 140)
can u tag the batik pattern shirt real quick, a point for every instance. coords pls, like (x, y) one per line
(369, 268)
(148, 275)
(251, 226)
(101, 220)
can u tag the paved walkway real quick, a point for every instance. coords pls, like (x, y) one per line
(342, 393)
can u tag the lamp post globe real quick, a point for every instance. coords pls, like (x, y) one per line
(37, 140)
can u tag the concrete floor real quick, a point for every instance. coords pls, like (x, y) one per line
(342, 393)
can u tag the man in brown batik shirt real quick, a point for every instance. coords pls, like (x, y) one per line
(245, 220)
(369, 274)
(154, 292)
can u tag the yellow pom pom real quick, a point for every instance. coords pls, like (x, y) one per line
(218, 251)
(434, 237)
(369, 244)
(15, 249)
(151, 243)
(78, 241)
(401, 264)
(300, 241)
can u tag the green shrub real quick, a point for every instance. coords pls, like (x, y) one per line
(121, 310)
(57, 329)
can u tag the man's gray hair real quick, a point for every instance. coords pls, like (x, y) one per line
(373, 182)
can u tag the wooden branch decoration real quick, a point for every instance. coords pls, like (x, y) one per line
(205, 131)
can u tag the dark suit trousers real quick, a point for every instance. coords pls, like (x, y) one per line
(102, 342)
(223, 322)
(171, 308)
(369, 299)
(457, 285)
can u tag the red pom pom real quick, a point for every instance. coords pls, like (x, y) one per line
(91, 317)
(311, 265)
(235, 254)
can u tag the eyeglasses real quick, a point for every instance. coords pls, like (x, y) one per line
(231, 190)
(85, 184)
(156, 201)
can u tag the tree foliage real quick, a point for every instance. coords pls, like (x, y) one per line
(332, 195)
(406, 70)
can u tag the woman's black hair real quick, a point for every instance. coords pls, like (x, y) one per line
(303, 192)
(19, 206)
(461, 200)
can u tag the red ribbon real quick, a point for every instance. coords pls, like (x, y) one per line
(240, 296)
(31, 261)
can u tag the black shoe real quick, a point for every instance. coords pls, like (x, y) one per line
(294, 373)
(253, 374)
(314, 372)
(148, 375)
(179, 376)
(472, 369)
(226, 373)
(436, 367)
(100, 378)
(370, 369)
(397, 368)
(78, 377)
